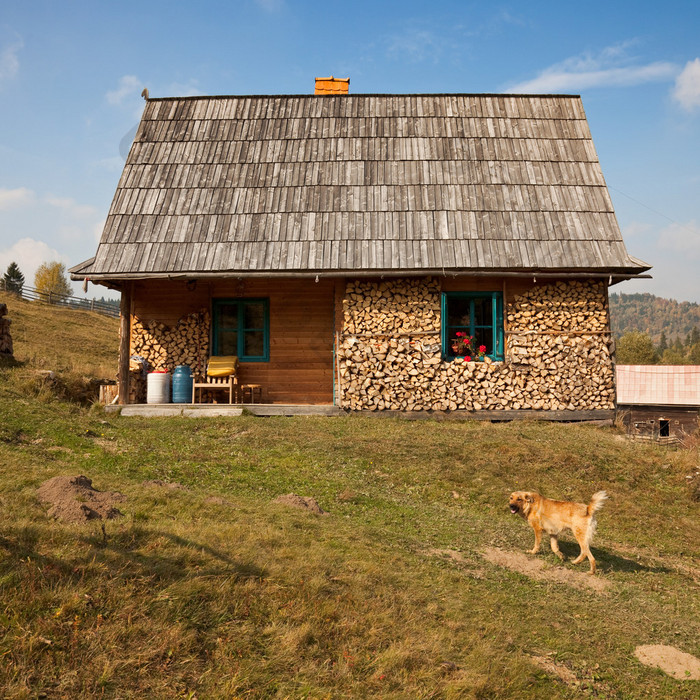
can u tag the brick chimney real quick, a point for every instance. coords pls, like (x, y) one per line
(332, 86)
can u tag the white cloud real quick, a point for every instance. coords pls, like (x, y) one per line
(609, 68)
(189, 89)
(129, 85)
(9, 60)
(29, 254)
(687, 88)
(17, 198)
(635, 229)
(682, 238)
(71, 207)
(270, 5)
(416, 45)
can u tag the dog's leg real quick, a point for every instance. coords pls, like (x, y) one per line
(583, 537)
(538, 539)
(554, 543)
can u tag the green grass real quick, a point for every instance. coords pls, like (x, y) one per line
(245, 598)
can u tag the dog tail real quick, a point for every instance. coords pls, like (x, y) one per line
(597, 500)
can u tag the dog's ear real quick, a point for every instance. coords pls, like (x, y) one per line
(529, 498)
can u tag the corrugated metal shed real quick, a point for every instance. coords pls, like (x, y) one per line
(658, 385)
(360, 183)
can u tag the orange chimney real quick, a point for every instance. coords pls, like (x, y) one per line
(332, 86)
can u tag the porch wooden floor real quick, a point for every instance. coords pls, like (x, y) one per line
(209, 410)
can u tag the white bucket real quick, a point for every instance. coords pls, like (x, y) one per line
(158, 387)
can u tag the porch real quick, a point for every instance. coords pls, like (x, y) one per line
(602, 417)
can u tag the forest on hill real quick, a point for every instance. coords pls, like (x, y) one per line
(654, 316)
(651, 329)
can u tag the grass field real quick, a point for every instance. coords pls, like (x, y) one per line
(413, 585)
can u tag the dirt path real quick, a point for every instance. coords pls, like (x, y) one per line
(538, 569)
(675, 663)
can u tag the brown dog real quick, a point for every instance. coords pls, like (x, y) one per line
(545, 515)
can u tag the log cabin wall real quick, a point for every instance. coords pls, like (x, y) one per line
(557, 350)
(171, 325)
(659, 422)
(557, 342)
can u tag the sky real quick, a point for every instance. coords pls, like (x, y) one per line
(72, 73)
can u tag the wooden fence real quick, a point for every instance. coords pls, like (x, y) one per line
(101, 307)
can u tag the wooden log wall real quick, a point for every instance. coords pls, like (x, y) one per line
(557, 351)
(6, 347)
(171, 325)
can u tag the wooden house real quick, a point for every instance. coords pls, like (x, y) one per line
(659, 402)
(373, 252)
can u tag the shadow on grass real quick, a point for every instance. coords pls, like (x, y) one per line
(609, 562)
(124, 556)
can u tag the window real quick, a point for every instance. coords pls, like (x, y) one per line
(473, 314)
(242, 327)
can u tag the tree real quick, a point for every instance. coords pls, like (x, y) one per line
(694, 355)
(635, 348)
(673, 356)
(51, 282)
(663, 343)
(13, 279)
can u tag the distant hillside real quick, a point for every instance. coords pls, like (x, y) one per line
(653, 315)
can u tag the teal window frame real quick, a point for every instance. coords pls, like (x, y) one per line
(241, 328)
(496, 321)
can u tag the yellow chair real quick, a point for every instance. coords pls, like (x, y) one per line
(222, 373)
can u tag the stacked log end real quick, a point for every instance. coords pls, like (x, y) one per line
(6, 348)
(557, 351)
(164, 347)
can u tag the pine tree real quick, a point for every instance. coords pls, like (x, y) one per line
(663, 343)
(13, 279)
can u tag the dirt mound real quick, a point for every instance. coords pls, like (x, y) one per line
(538, 569)
(670, 660)
(73, 499)
(303, 502)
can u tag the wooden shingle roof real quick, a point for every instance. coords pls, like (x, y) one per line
(360, 183)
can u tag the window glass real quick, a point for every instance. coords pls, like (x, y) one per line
(228, 315)
(254, 343)
(482, 312)
(241, 327)
(255, 315)
(459, 313)
(228, 343)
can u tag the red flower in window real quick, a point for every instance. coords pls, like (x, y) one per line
(482, 349)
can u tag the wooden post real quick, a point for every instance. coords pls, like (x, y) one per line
(124, 343)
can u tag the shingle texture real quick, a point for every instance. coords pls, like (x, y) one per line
(659, 385)
(281, 184)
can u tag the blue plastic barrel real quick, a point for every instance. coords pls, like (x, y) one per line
(182, 384)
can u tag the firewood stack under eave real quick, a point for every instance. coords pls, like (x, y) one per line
(6, 348)
(164, 347)
(557, 352)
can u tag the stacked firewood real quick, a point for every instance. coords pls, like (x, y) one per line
(164, 347)
(558, 339)
(404, 307)
(6, 348)
(557, 352)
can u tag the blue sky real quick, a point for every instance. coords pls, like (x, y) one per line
(71, 75)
